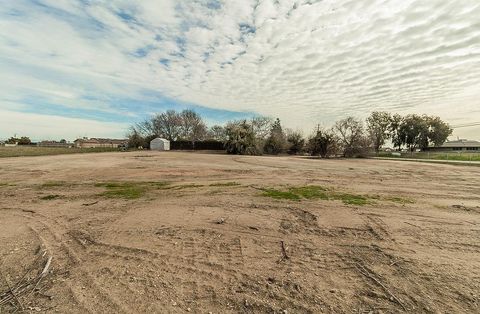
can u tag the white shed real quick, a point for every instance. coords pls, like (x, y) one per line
(160, 144)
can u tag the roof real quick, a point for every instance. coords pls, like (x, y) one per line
(101, 140)
(461, 143)
(161, 139)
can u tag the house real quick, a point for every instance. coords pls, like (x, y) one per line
(159, 144)
(458, 145)
(54, 144)
(99, 142)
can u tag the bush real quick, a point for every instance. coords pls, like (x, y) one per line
(324, 143)
(296, 143)
(240, 139)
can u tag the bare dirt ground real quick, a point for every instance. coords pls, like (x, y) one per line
(194, 233)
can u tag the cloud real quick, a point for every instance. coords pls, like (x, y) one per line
(48, 126)
(304, 61)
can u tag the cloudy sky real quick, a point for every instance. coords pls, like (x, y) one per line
(72, 68)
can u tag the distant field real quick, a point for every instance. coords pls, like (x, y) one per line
(19, 151)
(437, 156)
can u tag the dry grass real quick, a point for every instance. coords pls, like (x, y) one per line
(19, 151)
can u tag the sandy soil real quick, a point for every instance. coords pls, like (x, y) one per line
(193, 247)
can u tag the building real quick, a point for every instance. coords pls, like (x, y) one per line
(54, 144)
(160, 144)
(99, 142)
(460, 145)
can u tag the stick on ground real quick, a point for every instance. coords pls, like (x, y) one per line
(284, 251)
(366, 273)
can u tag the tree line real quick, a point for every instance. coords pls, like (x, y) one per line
(349, 137)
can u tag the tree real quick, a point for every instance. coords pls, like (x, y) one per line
(240, 139)
(378, 124)
(192, 126)
(323, 143)
(12, 140)
(167, 125)
(296, 142)
(135, 140)
(24, 140)
(438, 131)
(261, 127)
(394, 130)
(413, 132)
(352, 139)
(276, 142)
(217, 132)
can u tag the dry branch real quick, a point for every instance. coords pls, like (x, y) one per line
(367, 274)
(25, 286)
(90, 204)
(284, 252)
(11, 290)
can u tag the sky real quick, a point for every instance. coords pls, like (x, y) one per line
(74, 68)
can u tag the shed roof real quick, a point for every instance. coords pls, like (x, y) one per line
(160, 139)
(461, 143)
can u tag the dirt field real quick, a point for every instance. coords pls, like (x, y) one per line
(183, 232)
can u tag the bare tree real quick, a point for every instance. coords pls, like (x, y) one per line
(192, 126)
(350, 133)
(217, 132)
(166, 124)
(261, 127)
(378, 124)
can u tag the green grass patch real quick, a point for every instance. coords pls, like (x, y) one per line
(352, 199)
(52, 184)
(50, 197)
(129, 190)
(277, 194)
(225, 184)
(460, 156)
(186, 186)
(311, 192)
(400, 200)
(317, 192)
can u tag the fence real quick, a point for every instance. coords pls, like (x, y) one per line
(460, 156)
(200, 145)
